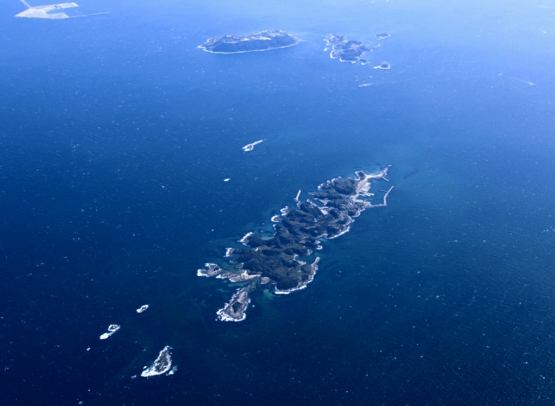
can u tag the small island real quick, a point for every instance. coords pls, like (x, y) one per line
(161, 365)
(250, 147)
(112, 329)
(258, 41)
(383, 65)
(298, 234)
(345, 50)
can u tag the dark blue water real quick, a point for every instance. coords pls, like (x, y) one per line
(116, 134)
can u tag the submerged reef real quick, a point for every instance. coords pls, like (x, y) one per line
(298, 232)
(258, 41)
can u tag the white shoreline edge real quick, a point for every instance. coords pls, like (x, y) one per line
(250, 147)
(241, 296)
(142, 308)
(245, 239)
(253, 50)
(302, 285)
(163, 361)
(112, 329)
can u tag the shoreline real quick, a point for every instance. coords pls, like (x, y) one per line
(245, 239)
(250, 147)
(275, 260)
(42, 12)
(302, 285)
(235, 309)
(253, 50)
(384, 66)
(161, 365)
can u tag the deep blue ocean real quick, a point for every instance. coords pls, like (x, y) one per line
(116, 135)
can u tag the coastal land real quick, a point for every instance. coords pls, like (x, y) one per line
(258, 41)
(298, 233)
(44, 11)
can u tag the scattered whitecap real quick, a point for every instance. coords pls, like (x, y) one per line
(227, 179)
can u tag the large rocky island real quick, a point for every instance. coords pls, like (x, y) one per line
(298, 233)
(258, 41)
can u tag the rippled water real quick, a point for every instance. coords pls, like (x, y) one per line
(116, 136)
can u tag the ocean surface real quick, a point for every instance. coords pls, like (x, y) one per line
(116, 135)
